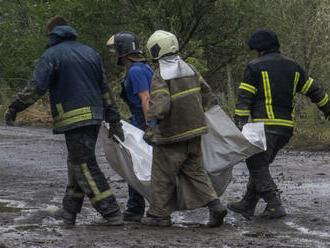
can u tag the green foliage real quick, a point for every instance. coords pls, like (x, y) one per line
(212, 35)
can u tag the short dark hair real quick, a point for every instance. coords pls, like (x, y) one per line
(56, 21)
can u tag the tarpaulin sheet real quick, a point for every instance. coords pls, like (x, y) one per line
(223, 147)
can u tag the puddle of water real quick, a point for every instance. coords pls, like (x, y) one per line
(307, 231)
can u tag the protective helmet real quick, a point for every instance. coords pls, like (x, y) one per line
(162, 43)
(124, 43)
(263, 40)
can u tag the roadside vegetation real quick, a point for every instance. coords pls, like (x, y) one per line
(212, 36)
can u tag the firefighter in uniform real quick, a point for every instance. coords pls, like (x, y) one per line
(135, 92)
(267, 94)
(176, 107)
(80, 99)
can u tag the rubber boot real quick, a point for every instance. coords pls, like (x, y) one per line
(274, 208)
(132, 216)
(217, 213)
(152, 220)
(112, 219)
(66, 216)
(246, 207)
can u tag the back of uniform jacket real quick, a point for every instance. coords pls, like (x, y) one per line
(74, 75)
(177, 105)
(268, 92)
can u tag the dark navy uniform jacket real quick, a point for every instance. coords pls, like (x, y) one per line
(74, 75)
(268, 92)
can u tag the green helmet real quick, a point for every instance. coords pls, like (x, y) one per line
(162, 43)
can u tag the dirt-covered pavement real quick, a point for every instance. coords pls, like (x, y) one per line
(33, 177)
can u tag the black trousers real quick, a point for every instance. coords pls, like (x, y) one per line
(84, 174)
(258, 165)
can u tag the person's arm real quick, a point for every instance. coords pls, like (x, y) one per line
(209, 99)
(160, 99)
(144, 97)
(111, 111)
(140, 87)
(246, 95)
(35, 89)
(314, 90)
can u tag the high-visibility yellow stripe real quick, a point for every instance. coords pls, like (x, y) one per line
(186, 92)
(72, 113)
(295, 83)
(98, 196)
(74, 194)
(183, 134)
(248, 87)
(59, 109)
(306, 86)
(268, 95)
(90, 180)
(241, 112)
(323, 101)
(279, 122)
(73, 120)
(160, 91)
(102, 196)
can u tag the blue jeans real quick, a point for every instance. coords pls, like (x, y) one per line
(136, 202)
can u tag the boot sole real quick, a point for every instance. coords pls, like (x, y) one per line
(273, 217)
(244, 214)
(150, 222)
(221, 216)
(103, 222)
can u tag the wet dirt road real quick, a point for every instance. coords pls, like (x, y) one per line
(33, 177)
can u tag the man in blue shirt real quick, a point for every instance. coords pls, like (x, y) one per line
(135, 92)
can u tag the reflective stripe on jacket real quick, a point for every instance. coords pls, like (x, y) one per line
(268, 92)
(177, 106)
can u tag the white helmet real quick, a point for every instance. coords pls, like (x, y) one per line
(161, 43)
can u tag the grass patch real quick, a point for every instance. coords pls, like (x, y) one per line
(5, 209)
(311, 135)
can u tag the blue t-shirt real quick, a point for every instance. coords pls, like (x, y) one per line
(138, 79)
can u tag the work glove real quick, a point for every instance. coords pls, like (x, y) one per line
(10, 116)
(116, 129)
(326, 111)
(111, 114)
(148, 135)
(112, 117)
(240, 122)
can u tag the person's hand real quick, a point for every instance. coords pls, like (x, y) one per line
(326, 115)
(240, 122)
(148, 135)
(326, 111)
(10, 117)
(116, 129)
(111, 114)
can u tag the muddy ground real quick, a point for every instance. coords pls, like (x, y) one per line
(33, 177)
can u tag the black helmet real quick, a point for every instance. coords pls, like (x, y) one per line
(263, 40)
(124, 43)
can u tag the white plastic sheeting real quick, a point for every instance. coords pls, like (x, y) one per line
(223, 147)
